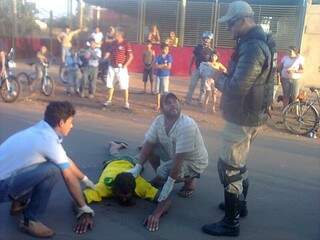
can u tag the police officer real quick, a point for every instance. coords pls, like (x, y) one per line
(246, 95)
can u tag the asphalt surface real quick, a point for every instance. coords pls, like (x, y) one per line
(283, 198)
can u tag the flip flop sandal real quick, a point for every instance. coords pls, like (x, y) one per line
(123, 144)
(185, 193)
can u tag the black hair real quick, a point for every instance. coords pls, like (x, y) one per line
(165, 97)
(124, 183)
(91, 39)
(295, 49)
(67, 26)
(120, 31)
(57, 111)
(163, 45)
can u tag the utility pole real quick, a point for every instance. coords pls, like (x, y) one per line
(141, 21)
(183, 5)
(98, 15)
(80, 6)
(14, 22)
(50, 30)
(215, 23)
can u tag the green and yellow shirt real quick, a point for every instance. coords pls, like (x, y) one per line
(103, 189)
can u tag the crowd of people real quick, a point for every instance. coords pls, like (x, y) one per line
(173, 144)
(110, 54)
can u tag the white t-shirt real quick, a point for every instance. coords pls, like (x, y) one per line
(184, 137)
(293, 63)
(98, 37)
(34, 145)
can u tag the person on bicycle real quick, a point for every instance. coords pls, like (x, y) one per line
(42, 59)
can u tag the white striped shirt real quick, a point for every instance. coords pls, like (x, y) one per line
(184, 137)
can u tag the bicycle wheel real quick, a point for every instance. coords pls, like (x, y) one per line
(23, 78)
(10, 90)
(300, 118)
(47, 87)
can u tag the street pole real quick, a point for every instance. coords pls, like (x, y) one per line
(215, 22)
(98, 11)
(183, 5)
(80, 6)
(50, 31)
(141, 21)
(14, 22)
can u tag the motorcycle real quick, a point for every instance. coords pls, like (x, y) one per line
(9, 86)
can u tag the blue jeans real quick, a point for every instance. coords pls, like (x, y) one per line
(64, 52)
(195, 77)
(35, 183)
(89, 78)
(74, 77)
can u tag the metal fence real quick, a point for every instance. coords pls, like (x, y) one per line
(137, 16)
(282, 21)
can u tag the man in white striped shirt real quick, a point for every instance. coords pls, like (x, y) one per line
(174, 147)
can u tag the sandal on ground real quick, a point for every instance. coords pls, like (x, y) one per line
(185, 193)
(123, 144)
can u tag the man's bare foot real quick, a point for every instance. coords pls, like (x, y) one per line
(188, 188)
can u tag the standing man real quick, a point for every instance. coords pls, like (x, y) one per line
(120, 55)
(31, 162)
(175, 149)
(90, 66)
(201, 53)
(97, 35)
(65, 39)
(246, 95)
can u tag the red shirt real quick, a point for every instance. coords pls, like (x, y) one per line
(119, 53)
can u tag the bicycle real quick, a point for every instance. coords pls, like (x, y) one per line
(47, 83)
(9, 86)
(302, 117)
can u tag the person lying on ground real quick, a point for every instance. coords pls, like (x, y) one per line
(116, 182)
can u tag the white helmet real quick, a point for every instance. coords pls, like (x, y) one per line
(207, 34)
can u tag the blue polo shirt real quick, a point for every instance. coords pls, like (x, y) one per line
(162, 60)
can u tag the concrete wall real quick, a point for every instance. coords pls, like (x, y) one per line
(310, 46)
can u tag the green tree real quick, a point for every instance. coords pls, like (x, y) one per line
(24, 20)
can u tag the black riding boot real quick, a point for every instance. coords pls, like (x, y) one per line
(243, 210)
(229, 225)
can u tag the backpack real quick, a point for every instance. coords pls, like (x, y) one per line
(272, 75)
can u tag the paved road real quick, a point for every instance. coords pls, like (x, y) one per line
(283, 198)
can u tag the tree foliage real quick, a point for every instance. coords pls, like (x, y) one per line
(24, 20)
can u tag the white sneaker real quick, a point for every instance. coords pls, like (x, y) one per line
(107, 103)
(127, 106)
